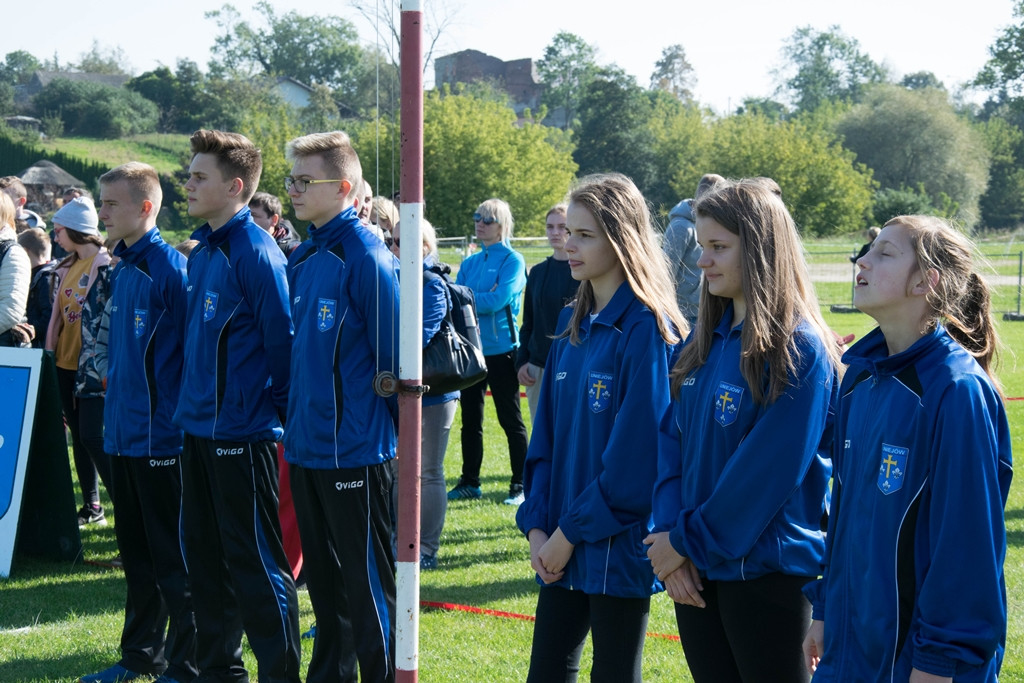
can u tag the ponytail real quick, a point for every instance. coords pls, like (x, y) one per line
(972, 325)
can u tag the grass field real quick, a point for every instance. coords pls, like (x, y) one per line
(60, 621)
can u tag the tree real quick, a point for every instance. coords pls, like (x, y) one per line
(381, 13)
(474, 149)
(322, 113)
(673, 73)
(921, 80)
(103, 61)
(310, 49)
(568, 66)
(18, 67)
(1003, 74)
(764, 106)
(614, 132)
(823, 66)
(96, 110)
(912, 138)
(1002, 205)
(825, 189)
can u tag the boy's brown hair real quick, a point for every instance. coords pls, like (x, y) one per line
(237, 157)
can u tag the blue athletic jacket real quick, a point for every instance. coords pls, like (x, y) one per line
(147, 324)
(592, 459)
(238, 335)
(741, 486)
(916, 539)
(497, 276)
(344, 285)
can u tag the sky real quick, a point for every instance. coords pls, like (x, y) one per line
(734, 46)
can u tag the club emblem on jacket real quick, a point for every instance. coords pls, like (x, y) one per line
(325, 310)
(893, 468)
(727, 403)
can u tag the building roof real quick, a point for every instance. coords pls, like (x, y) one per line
(45, 172)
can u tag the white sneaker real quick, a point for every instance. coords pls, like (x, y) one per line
(515, 497)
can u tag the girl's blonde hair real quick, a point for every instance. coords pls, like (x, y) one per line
(777, 290)
(618, 207)
(960, 300)
(7, 211)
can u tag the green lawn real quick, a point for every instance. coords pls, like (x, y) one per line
(59, 621)
(166, 152)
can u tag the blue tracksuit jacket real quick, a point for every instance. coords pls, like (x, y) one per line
(344, 285)
(593, 453)
(741, 486)
(497, 276)
(238, 335)
(914, 573)
(147, 323)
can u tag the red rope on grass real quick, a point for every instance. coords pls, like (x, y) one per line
(1016, 398)
(453, 607)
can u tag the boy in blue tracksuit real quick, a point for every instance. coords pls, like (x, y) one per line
(234, 390)
(147, 319)
(341, 435)
(913, 587)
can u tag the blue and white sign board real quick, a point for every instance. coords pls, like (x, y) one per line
(19, 383)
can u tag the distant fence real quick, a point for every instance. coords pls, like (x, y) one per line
(831, 269)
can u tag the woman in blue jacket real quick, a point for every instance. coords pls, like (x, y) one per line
(497, 276)
(592, 458)
(913, 587)
(741, 487)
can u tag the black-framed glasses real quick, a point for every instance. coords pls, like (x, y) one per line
(477, 218)
(300, 184)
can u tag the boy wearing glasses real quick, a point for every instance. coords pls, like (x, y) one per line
(233, 398)
(341, 435)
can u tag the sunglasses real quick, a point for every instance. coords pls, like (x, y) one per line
(477, 218)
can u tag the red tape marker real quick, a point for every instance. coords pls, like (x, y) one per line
(452, 607)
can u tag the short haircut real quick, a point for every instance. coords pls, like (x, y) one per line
(186, 247)
(707, 182)
(13, 186)
(499, 210)
(335, 148)
(7, 211)
(873, 232)
(35, 241)
(236, 155)
(142, 180)
(266, 201)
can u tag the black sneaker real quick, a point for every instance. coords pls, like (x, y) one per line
(91, 514)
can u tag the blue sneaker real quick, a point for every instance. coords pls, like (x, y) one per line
(465, 492)
(428, 561)
(311, 633)
(166, 679)
(115, 674)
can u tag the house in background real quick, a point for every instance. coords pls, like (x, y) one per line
(45, 182)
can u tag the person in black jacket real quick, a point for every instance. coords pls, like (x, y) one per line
(549, 287)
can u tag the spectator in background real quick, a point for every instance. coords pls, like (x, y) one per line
(549, 287)
(15, 276)
(36, 244)
(186, 247)
(497, 275)
(266, 212)
(438, 409)
(681, 248)
(870, 234)
(15, 189)
(384, 215)
(84, 278)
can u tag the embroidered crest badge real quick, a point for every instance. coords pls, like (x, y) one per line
(599, 391)
(892, 471)
(209, 306)
(140, 320)
(727, 403)
(325, 311)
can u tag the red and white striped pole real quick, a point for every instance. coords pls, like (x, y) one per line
(410, 370)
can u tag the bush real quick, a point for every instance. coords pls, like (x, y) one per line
(97, 110)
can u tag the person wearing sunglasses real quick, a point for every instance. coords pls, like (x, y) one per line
(497, 275)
